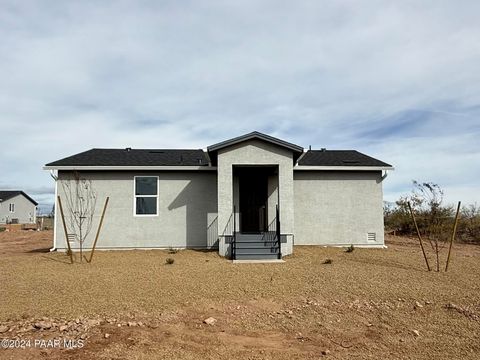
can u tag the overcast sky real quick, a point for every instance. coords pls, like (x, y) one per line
(399, 81)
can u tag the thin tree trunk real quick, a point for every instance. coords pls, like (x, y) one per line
(454, 230)
(81, 240)
(419, 236)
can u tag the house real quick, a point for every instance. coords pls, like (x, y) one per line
(16, 207)
(252, 197)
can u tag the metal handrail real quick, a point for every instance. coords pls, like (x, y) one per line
(234, 236)
(278, 233)
(212, 233)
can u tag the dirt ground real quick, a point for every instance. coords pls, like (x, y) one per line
(24, 242)
(367, 304)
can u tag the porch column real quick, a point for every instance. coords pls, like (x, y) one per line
(285, 195)
(225, 202)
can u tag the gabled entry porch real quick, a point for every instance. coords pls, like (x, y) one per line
(254, 177)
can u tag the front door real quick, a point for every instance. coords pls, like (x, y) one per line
(253, 200)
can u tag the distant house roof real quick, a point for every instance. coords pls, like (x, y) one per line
(135, 157)
(351, 158)
(8, 194)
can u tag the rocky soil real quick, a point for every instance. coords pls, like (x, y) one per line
(130, 305)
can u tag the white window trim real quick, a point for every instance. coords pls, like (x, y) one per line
(135, 196)
(11, 208)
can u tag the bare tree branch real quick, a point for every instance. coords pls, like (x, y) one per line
(81, 201)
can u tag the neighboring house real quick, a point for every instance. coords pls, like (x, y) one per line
(238, 195)
(16, 207)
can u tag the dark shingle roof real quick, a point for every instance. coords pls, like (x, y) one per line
(135, 157)
(8, 194)
(338, 158)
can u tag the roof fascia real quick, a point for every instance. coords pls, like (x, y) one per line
(126, 168)
(255, 135)
(343, 168)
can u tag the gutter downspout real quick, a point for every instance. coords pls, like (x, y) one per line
(54, 177)
(384, 176)
(300, 158)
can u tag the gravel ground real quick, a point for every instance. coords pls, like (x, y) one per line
(365, 304)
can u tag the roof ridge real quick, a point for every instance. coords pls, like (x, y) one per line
(326, 150)
(135, 157)
(251, 135)
(146, 149)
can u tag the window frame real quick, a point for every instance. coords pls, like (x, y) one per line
(11, 208)
(135, 196)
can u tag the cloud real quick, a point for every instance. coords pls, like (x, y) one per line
(398, 81)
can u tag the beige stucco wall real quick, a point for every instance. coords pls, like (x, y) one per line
(187, 205)
(255, 152)
(338, 208)
(25, 210)
(272, 197)
(319, 207)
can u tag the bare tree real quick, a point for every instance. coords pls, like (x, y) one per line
(470, 226)
(80, 200)
(427, 200)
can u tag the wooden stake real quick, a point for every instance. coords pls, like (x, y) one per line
(419, 236)
(453, 235)
(98, 230)
(65, 228)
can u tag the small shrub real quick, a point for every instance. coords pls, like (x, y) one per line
(327, 261)
(172, 250)
(349, 249)
(2, 229)
(169, 261)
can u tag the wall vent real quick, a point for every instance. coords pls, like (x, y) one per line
(371, 237)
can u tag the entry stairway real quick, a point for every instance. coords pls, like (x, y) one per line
(258, 246)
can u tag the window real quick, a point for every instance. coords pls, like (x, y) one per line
(11, 208)
(146, 195)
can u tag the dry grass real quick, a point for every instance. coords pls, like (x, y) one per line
(362, 304)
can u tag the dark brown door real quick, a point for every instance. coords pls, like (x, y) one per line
(253, 200)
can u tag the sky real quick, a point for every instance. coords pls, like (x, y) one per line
(399, 81)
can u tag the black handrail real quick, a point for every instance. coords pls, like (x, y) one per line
(234, 237)
(212, 233)
(278, 233)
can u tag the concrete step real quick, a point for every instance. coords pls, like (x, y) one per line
(248, 237)
(255, 244)
(265, 250)
(255, 237)
(256, 256)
